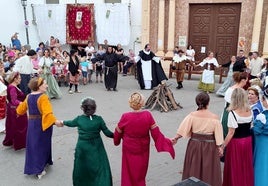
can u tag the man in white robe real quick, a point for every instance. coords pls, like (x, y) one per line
(149, 70)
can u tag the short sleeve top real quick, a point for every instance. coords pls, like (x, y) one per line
(233, 123)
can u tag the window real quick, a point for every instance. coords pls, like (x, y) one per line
(52, 1)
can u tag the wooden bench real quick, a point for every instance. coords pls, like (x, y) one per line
(221, 71)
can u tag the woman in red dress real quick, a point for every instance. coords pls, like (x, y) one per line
(134, 128)
(16, 126)
(238, 166)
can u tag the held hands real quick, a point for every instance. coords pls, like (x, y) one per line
(59, 123)
(221, 150)
(174, 141)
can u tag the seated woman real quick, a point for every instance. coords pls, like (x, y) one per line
(190, 53)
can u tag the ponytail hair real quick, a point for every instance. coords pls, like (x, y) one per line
(202, 100)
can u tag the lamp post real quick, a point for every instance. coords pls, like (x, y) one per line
(24, 4)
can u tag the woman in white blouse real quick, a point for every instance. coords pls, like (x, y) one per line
(190, 52)
(238, 166)
(207, 82)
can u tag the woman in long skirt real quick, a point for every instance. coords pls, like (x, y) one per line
(134, 128)
(202, 158)
(207, 81)
(40, 128)
(91, 164)
(16, 126)
(45, 63)
(238, 166)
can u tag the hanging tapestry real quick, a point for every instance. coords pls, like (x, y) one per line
(50, 20)
(113, 23)
(79, 24)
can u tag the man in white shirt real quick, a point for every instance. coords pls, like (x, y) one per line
(90, 49)
(25, 67)
(255, 65)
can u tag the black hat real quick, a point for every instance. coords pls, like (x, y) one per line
(31, 53)
(180, 51)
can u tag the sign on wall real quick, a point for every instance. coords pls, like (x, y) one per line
(182, 41)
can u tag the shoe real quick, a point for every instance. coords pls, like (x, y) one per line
(70, 92)
(124, 74)
(97, 81)
(101, 81)
(43, 173)
(179, 86)
(108, 89)
(114, 89)
(77, 91)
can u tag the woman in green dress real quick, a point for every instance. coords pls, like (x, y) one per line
(45, 63)
(91, 164)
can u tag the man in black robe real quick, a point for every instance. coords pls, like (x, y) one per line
(110, 67)
(149, 70)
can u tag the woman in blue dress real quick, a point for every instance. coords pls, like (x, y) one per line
(260, 130)
(229, 79)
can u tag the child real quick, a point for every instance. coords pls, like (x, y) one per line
(58, 72)
(91, 164)
(99, 71)
(90, 67)
(85, 68)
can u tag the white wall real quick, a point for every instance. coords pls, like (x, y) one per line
(12, 20)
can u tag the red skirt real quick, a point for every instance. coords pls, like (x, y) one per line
(238, 166)
(3, 107)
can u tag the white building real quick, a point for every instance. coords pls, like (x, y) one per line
(12, 20)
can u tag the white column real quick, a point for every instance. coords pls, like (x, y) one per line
(145, 22)
(257, 26)
(171, 28)
(265, 44)
(161, 28)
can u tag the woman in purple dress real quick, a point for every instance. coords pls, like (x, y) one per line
(16, 127)
(40, 127)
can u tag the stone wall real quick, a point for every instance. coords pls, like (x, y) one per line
(154, 9)
(246, 18)
(182, 20)
(263, 25)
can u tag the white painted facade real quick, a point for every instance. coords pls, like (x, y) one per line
(12, 20)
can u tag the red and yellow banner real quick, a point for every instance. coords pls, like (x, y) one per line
(80, 24)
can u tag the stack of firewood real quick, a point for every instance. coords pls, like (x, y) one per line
(162, 99)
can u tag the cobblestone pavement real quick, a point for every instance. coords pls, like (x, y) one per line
(163, 171)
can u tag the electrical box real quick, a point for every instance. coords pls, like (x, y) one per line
(52, 1)
(112, 1)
